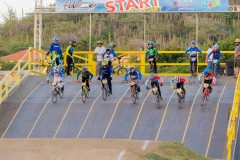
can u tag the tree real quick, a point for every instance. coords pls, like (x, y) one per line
(9, 15)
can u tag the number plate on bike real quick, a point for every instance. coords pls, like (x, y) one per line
(84, 84)
(215, 61)
(54, 84)
(193, 59)
(205, 85)
(60, 85)
(155, 89)
(151, 59)
(104, 81)
(132, 83)
(179, 90)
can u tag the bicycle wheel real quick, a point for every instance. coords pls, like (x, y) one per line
(193, 68)
(203, 99)
(151, 66)
(158, 101)
(61, 92)
(134, 96)
(84, 96)
(104, 93)
(122, 71)
(215, 70)
(179, 102)
(54, 96)
(157, 96)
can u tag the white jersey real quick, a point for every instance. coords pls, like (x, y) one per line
(100, 51)
(110, 57)
(210, 58)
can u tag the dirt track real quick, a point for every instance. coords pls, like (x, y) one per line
(61, 149)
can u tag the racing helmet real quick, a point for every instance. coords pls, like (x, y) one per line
(193, 42)
(56, 71)
(131, 69)
(152, 75)
(112, 44)
(84, 69)
(215, 46)
(55, 38)
(177, 79)
(105, 62)
(150, 43)
(206, 71)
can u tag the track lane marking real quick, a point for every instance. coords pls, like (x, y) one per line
(89, 112)
(214, 121)
(189, 116)
(38, 118)
(121, 154)
(20, 109)
(144, 147)
(110, 122)
(60, 125)
(165, 112)
(139, 113)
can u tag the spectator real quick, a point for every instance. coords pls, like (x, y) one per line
(69, 52)
(111, 46)
(237, 56)
(99, 51)
(209, 57)
(55, 46)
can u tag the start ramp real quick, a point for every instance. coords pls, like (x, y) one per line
(28, 112)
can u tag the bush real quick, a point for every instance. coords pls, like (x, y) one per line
(133, 59)
(151, 156)
(7, 65)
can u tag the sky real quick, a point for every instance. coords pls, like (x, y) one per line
(20, 5)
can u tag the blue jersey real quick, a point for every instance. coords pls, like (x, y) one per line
(55, 47)
(112, 51)
(193, 52)
(216, 54)
(106, 71)
(133, 75)
(70, 51)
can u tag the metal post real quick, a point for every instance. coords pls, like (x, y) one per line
(37, 29)
(90, 34)
(29, 62)
(1, 94)
(18, 73)
(144, 31)
(197, 28)
(197, 36)
(38, 25)
(6, 86)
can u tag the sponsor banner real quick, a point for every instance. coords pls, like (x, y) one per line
(140, 6)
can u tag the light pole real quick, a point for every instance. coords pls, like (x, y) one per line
(197, 28)
(144, 32)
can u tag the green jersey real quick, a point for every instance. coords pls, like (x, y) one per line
(87, 75)
(151, 52)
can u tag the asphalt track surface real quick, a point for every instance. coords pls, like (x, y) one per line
(28, 112)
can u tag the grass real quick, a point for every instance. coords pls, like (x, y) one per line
(169, 151)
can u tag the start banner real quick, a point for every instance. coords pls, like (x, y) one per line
(140, 6)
